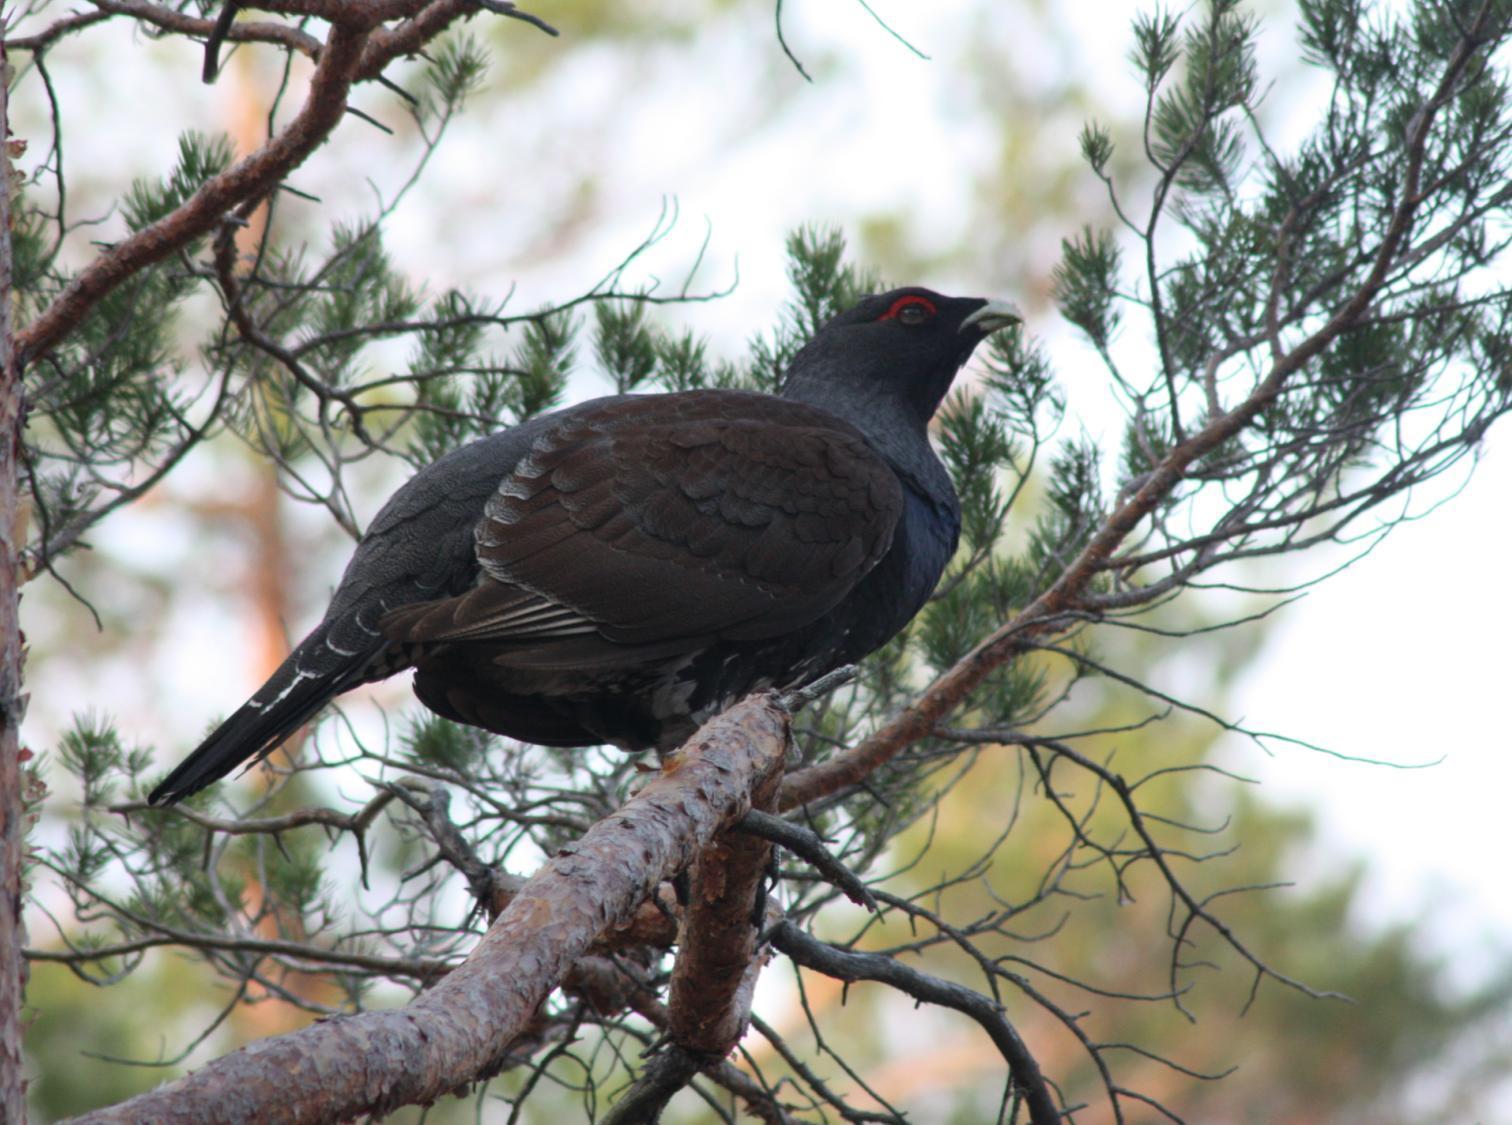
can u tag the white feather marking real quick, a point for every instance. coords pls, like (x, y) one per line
(300, 675)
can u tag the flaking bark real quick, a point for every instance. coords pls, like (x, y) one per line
(12, 701)
(709, 1003)
(460, 1031)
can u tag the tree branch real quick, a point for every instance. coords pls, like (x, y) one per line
(806, 845)
(172, 19)
(822, 957)
(12, 658)
(718, 957)
(250, 178)
(668, 1072)
(460, 1031)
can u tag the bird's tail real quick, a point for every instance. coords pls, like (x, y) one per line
(292, 696)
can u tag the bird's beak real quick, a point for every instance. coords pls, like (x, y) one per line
(992, 316)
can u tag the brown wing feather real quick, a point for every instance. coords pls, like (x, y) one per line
(677, 516)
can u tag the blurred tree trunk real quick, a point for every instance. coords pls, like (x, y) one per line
(12, 701)
(267, 595)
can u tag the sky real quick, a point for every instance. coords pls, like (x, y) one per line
(1403, 659)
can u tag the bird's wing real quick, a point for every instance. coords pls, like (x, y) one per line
(648, 519)
(419, 546)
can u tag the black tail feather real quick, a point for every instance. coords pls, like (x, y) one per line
(292, 697)
(248, 735)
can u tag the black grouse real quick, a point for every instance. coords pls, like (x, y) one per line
(618, 571)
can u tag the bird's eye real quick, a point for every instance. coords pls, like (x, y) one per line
(910, 310)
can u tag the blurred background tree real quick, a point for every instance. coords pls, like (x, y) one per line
(560, 164)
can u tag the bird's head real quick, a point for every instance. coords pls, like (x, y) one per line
(892, 356)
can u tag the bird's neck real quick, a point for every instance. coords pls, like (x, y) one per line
(890, 425)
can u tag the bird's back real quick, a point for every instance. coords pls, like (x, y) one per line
(612, 572)
(617, 571)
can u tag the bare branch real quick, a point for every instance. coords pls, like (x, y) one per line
(808, 846)
(814, 954)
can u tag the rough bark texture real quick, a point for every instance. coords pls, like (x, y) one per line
(460, 1030)
(12, 701)
(654, 922)
(709, 1002)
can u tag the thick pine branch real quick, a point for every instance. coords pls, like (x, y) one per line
(460, 1031)
(718, 956)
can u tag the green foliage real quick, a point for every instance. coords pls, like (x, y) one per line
(93, 753)
(456, 70)
(823, 284)
(32, 253)
(1071, 512)
(110, 396)
(953, 624)
(1272, 244)
(199, 158)
(1155, 45)
(683, 363)
(1330, 30)
(975, 445)
(355, 296)
(462, 394)
(1145, 445)
(541, 362)
(1096, 146)
(1022, 383)
(1086, 283)
(432, 740)
(1191, 134)
(294, 877)
(624, 346)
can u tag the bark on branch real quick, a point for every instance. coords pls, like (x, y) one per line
(12, 701)
(718, 955)
(460, 1031)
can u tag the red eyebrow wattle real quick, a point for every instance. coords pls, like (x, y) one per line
(904, 302)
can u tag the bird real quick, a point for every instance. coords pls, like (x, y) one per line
(620, 570)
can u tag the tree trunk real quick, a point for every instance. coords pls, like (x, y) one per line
(12, 701)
